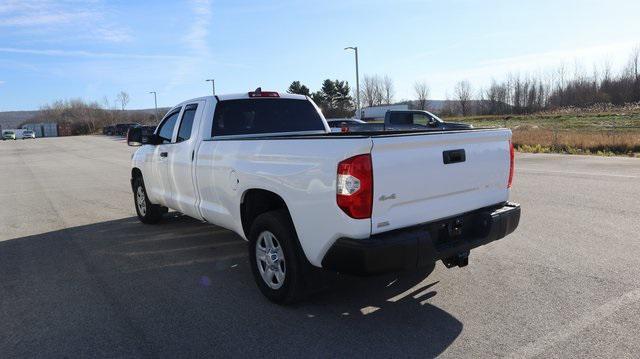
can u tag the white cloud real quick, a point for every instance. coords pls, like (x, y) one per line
(198, 46)
(29, 13)
(86, 19)
(82, 53)
(40, 19)
(113, 34)
(199, 29)
(1, 82)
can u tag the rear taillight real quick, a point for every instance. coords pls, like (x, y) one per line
(511, 164)
(261, 93)
(354, 186)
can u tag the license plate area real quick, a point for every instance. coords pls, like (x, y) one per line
(457, 229)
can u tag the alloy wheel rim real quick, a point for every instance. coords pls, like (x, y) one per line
(270, 260)
(140, 201)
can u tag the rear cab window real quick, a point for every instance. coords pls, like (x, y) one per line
(260, 116)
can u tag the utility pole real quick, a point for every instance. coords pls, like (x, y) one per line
(213, 86)
(355, 49)
(155, 100)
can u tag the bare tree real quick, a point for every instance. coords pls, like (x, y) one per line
(355, 97)
(372, 91)
(123, 98)
(565, 86)
(463, 96)
(634, 73)
(421, 90)
(387, 89)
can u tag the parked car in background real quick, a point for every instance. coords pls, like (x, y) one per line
(337, 123)
(121, 129)
(28, 134)
(109, 130)
(145, 132)
(407, 120)
(8, 135)
(267, 166)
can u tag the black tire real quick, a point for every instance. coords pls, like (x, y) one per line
(150, 213)
(297, 267)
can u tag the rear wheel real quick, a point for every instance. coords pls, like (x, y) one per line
(148, 212)
(278, 264)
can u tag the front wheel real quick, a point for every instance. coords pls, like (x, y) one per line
(148, 212)
(278, 263)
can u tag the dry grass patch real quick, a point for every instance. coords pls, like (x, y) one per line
(576, 141)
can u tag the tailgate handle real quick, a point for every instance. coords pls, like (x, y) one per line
(453, 156)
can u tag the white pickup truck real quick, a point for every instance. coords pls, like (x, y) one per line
(266, 166)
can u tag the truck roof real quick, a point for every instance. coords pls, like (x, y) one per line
(239, 96)
(243, 95)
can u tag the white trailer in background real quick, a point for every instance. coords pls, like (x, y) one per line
(373, 113)
(44, 129)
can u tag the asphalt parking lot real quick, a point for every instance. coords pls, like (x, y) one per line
(81, 277)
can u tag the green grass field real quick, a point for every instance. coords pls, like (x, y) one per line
(607, 133)
(601, 121)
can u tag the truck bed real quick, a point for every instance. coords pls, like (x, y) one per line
(354, 134)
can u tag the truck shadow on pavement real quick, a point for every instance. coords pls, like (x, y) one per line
(184, 288)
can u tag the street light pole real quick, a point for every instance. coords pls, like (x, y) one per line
(355, 49)
(155, 100)
(213, 85)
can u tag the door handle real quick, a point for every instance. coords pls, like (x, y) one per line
(453, 156)
(164, 154)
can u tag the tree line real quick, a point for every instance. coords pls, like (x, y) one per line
(515, 94)
(523, 94)
(87, 117)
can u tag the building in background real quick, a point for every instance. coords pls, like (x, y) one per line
(44, 129)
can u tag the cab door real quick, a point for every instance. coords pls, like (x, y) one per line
(181, 170)
(158, 185)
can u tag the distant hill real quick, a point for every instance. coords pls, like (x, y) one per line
(13, 119)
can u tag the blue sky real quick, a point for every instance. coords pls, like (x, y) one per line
(92, 49)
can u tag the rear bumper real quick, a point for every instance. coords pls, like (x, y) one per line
(422, 245)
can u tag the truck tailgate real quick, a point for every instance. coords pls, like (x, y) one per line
(419, 178)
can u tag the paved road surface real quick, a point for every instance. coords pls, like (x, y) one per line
(81, 277)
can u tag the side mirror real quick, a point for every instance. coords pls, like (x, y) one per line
(134, 136)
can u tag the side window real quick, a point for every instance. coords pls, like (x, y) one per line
(165, 131)
(184, 132)
(421, 118)
(400, 118)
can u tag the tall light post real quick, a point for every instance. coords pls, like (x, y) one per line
(355, 49)
(155, 100)
(213, 85)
